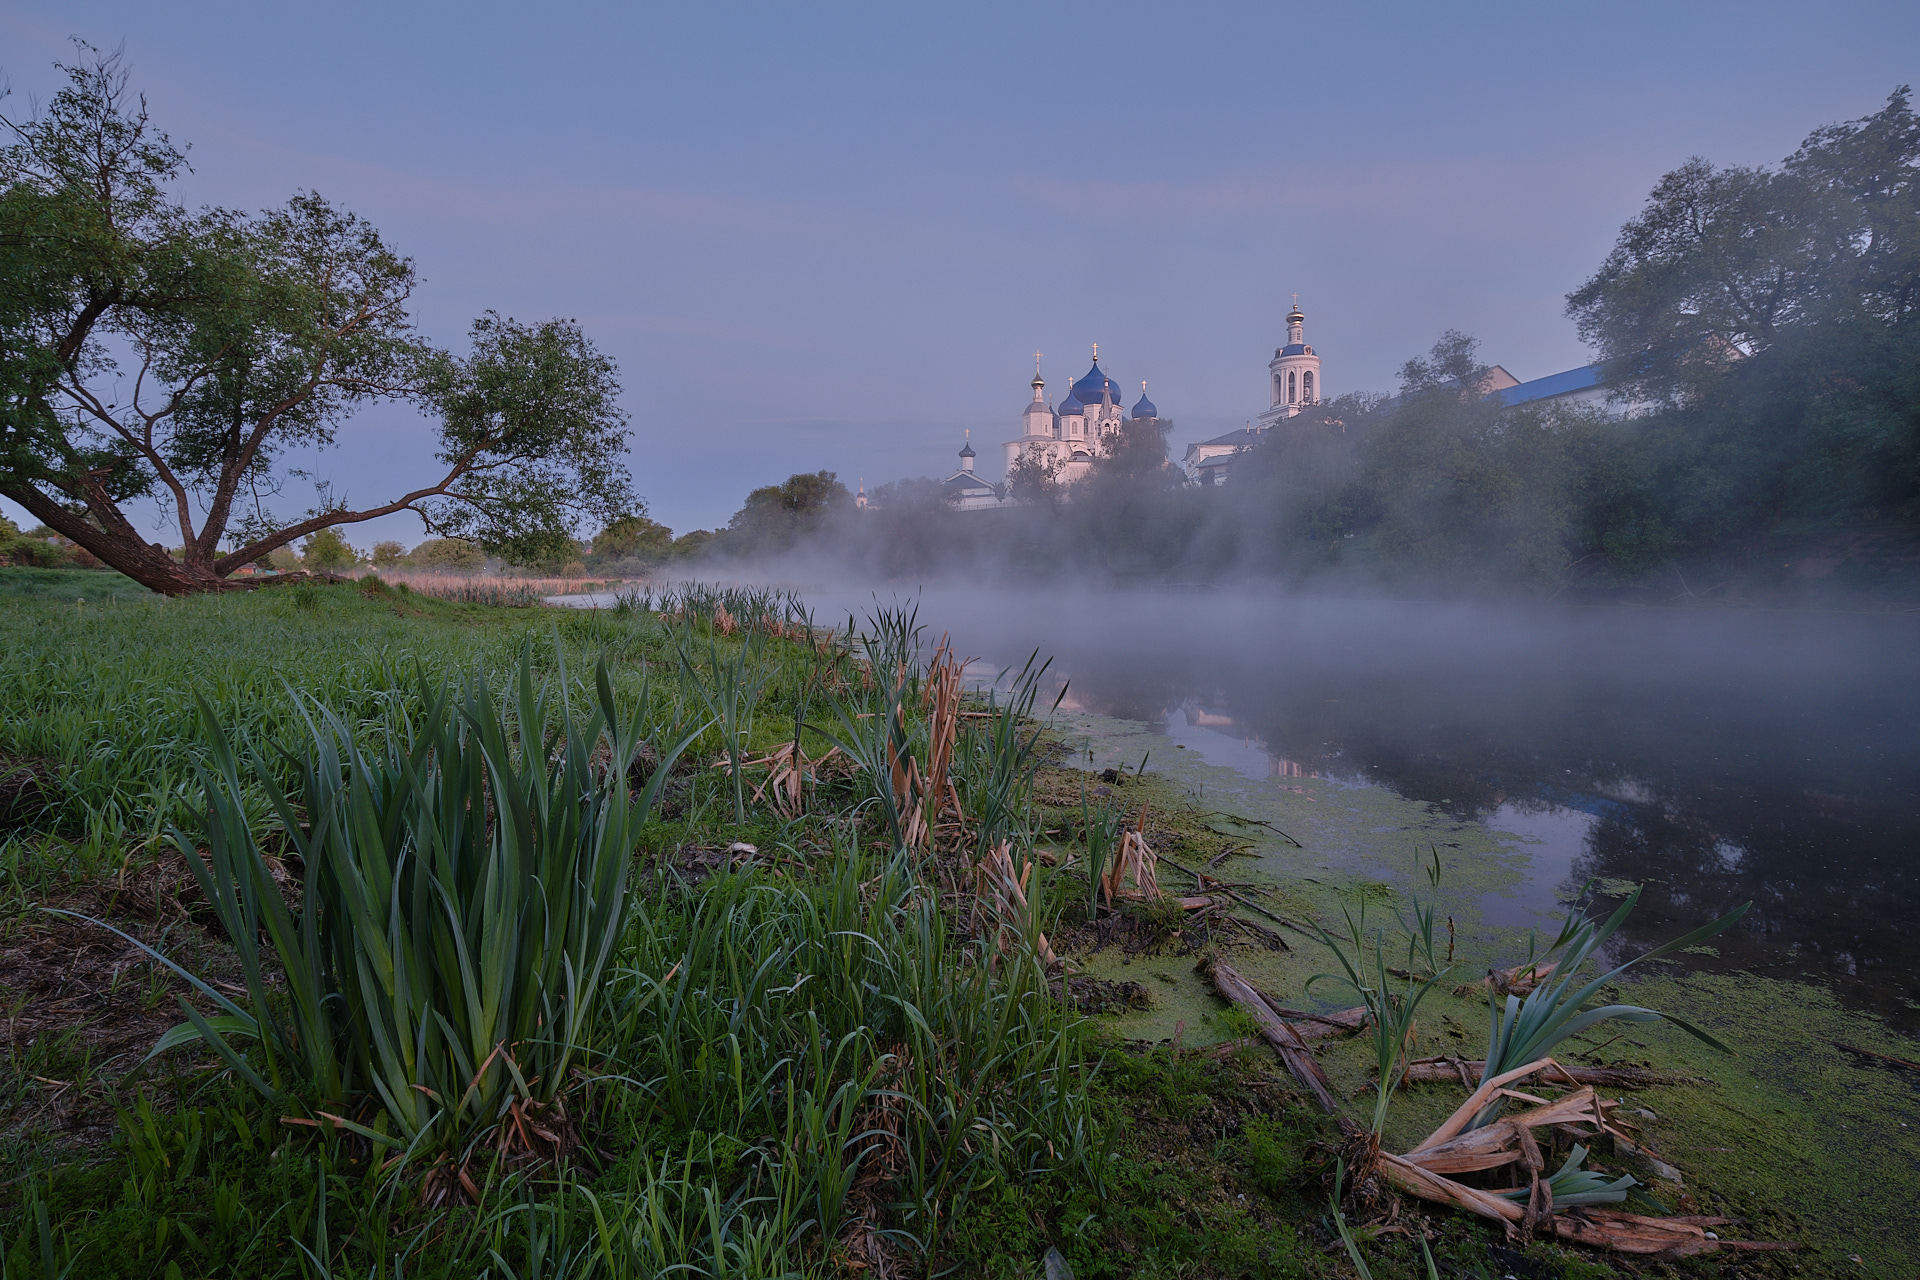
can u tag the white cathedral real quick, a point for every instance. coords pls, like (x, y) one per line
(1072, 434)
(1068, 437)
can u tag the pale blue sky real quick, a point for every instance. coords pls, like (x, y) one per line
(832, 235)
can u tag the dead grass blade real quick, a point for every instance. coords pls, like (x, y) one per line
(1136, 861)
(1003, 898)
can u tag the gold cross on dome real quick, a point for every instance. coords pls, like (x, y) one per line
(1296, 302)
(1036, 364)
(1096, 353)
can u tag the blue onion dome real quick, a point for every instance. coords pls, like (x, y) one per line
(1090, 388)
(1072, 406)
(1143, 408)
(966, 450)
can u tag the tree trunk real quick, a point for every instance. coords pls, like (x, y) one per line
(120, 547)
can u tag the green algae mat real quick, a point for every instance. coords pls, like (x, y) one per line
(1801, 1133)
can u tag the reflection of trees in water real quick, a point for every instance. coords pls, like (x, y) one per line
(1832, 886)
(1709, 792)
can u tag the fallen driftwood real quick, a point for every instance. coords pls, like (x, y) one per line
(1676, 1237)
(1293, 1051)
(1250, 822)
(1320, 1026)
(1517, 981)
(1467, 1071)
(1258, 932)
(1454, 1148)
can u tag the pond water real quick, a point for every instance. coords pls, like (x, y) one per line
(1713, 756)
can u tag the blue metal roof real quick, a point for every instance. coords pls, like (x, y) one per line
(1143, 408)
(966, 451)
(1294, 349)
(1554, 384)
(1071, 406)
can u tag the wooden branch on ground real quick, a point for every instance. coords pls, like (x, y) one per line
(1320, 1026)
(1517, 981)
(1253, 822)
(1286, 1042)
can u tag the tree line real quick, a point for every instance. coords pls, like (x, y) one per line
(1761, 319)
(1763, 324)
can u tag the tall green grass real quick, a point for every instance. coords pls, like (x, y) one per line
(465, 884)
(766, 1073)
(100, 696)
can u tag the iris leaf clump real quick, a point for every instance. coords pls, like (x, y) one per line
(463, 887)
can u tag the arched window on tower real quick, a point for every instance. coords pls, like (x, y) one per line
(1293, 387)
(1306, 386)
(1276, 388)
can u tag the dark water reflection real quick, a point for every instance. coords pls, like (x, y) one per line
(1713, 756)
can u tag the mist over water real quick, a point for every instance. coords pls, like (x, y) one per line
(1712, 755)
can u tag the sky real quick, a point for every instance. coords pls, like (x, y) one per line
(833, 235)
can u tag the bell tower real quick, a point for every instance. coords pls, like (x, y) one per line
(1293, 375)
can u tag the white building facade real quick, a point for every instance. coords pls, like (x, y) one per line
(1068, 437)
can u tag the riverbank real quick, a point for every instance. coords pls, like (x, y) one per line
(1120, 1136)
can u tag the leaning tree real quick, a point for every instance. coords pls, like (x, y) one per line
(152, 353)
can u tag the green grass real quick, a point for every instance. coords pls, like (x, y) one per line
(793, 1063)
(798, 1056)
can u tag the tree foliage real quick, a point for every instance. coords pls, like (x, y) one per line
(154, 352)
(326, 550)
(778, 516)
(448, 555)
(1723, 264)
(1774, 313)
(632, 539)
(1034, 478)
(1137, 452)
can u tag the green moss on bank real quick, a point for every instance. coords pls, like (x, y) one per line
(1796, 1137)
